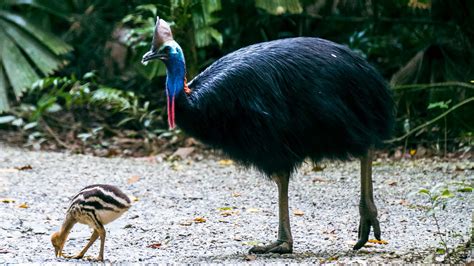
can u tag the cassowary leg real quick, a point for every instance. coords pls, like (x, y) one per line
(284, 243)
(367, 209)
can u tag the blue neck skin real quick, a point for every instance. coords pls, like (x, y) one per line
(175, 71)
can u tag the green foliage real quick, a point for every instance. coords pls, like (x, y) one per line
(438, 197)
(87, 101)
(182, 14)
(280, 7)
(423, 47)
(441, 105)
(139, 37)
(27, 50)
(203, 19)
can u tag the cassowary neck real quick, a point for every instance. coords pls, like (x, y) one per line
(175, 83)
(175, 76)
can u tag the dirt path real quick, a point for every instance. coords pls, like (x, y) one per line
(238, 207)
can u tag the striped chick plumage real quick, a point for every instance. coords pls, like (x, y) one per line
(98, 204)
(95, 206)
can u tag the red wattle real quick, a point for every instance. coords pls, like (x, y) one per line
(170, 107)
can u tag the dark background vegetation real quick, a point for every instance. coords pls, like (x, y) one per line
(71, 76)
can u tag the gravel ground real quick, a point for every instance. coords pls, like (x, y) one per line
(239, 208)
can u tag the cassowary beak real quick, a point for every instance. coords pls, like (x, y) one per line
(153, 54)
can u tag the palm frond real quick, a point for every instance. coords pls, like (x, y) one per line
(46, 61)
(55, 44)
(19, 71)
(58, 8)
(4, 106)
(203, 20)
(26, 49)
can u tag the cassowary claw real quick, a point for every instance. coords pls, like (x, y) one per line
(366, 222)
(279, 247)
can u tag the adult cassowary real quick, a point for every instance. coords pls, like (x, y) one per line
(272, 105)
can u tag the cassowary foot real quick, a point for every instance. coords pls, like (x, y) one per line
(279, 247)
(367, 221)
(79, 256)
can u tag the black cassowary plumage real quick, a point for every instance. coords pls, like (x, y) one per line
(273, 104)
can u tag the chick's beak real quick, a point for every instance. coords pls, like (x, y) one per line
(58, 251)
(153, 54)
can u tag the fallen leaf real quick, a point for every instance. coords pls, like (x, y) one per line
(398, 154)
(24, 167)
(186, 223)
(154, 245)
(226, 213)
(464, 166)
(375, 163)
(226, 208)
(380, 242)
(250, 257)
(235, 194)
(404, 202)
(391, 182)
(183, 152)
(253, 210)
(149, 159)
(226, 162)
(176, 166)
(250, 243)
(318, 168)
(190, 142)
(319, 179)
(199, 220)
(333, 231)
(133, 179)
(7, 200)
(133, 198)
(229, 213)
(23, 205)
(298, 212)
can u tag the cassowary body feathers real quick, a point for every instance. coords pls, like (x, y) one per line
(273, 104)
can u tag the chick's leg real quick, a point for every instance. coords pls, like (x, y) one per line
(92, 239)
(101, 232)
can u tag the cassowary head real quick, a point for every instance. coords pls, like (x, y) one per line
(167, 50)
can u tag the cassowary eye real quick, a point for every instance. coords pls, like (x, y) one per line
(165, 49)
